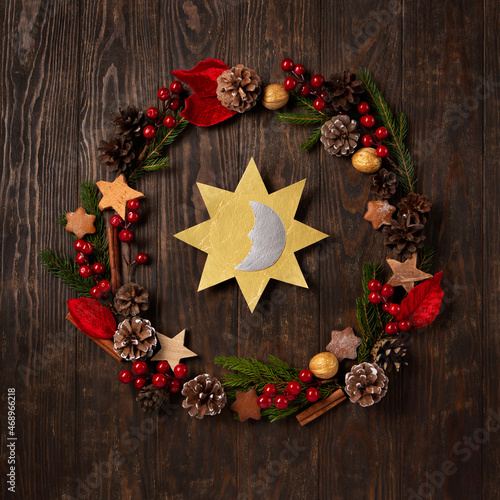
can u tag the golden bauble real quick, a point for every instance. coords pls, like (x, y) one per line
(275, 96)
(366, 160)
(324, 365)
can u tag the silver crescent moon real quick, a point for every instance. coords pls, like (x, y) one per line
(268, 236)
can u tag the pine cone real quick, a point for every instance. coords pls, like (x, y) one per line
(415, 208)
(151, 398)
(135, 338)
(238, 88)
(384, 184)
(131, 299)
(340, 135)
(389, 353)
(404, 238)
(117, 153)
(129, 122)
(341, 91)
(204, 396)
(366, 384)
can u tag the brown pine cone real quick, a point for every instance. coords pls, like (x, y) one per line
(340, 135)
(238, 88)
(131, 299)
(403, 238)
(342, 91)
(204, 396)
(151, 398)
(117, 153)
(415, 208)
(129, 122)
(366, 384)
(135, 338)
(384, 184)
(388, 353)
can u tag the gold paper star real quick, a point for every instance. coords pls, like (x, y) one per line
(406, 273)
(379, 213)
(344, 344)
(246, 405)
(80, 222)
(172, 350)
(116, 194)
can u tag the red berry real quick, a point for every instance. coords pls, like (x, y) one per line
(319, 104)
(363, 108)
(95, 292)
(375, 298)
(116, 221)
(149, 132)
(125, 377)
(133, 217)
(312, 394)
(169, 121)
(391, 328)
(80, 259)
(289, 396)
(394, 309)
(139, 382)
(265, 401)
(317, 81)
(140, 367)
(133, 205)
(78, 245)
(176, 87)
(174, 385)
(382, 151)
(374, 286)
(385, 306)
(404, 325)
(290, 83)
(98, 268)
(87, 248)
(287, 64)
(281, 402)
(105, 286)
(174, 104)
(367, 121)
(382, 133)
(125, 236)
(163, 94)
(299, 69)
(270, 390)
(162, 366)
(367, 141)
(305, 376)
(322, 95)
(85, 271)
(293, 387)
(180, 370)
(159, 380)
(305, 90)
(141, 258)
(153, 113)
(387, 291)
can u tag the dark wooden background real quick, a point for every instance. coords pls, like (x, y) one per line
(66, 65)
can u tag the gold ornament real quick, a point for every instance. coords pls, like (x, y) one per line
(324, 365)
(366, 160)
(275, 96)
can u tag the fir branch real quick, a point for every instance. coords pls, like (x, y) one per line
(312, 139)
(299, 118)
(307, 104)
(425, 258)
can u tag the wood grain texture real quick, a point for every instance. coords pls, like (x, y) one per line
(67, 65)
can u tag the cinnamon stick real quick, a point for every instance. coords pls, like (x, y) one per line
(317, 409)
(114, 257)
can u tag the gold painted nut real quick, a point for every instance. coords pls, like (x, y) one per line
(275, 96)
(366, 160)
(324, 365)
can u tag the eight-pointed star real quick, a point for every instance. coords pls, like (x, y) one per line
(116, 194)
(172, 350)
(80, 222)
(406, 273)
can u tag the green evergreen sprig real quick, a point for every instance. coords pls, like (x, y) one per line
(425, 258)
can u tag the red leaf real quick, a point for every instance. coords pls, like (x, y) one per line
(205, 112)
(92, 318)
(422, 304)
(203, 77)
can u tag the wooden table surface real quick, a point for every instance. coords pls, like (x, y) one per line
(66, 66)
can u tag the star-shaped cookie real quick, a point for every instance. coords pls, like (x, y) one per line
(116, 194)
(80, 223)
(379, 213)
(406, 273)
(344, 344)
(246, 405)
(172, 350)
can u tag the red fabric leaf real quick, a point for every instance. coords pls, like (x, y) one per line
(422, 304)
(92, 318)
(203, 77)
(205, 112)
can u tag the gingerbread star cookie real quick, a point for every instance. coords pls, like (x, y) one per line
(116, 194)
(406, 273)
(80, 223)
(344, 344)
(379, 213)
(246, 405)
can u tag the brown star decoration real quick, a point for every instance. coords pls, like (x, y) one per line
(379, 213)
(406, 273)
(80, 222)
(116, 194)
(344, 344)
(172, 350)
(246, 405)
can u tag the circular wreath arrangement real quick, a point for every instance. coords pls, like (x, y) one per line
(351, 119)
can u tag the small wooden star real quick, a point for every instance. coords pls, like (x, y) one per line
(406, 273)
(116, 194)
(379, 213)
(246, 405)
(344, 344)
(80, 222)
(172, 350)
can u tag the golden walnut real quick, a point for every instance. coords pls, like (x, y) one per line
(324, 365)
(275, 96)
(366, 160)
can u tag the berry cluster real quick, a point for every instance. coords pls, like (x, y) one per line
(373, 138)
(171, 102)
(141, 376)
(84, 250)
(381, 294)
